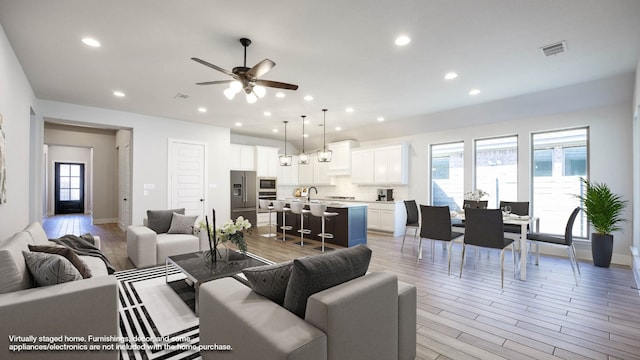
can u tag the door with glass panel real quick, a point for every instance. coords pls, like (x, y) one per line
(69, 188)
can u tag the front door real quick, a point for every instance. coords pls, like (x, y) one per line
(69, 188)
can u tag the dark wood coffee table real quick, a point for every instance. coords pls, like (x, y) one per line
(199, 268)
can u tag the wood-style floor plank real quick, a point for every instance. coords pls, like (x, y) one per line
(545, 317)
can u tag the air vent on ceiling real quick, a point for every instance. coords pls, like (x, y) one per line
(181, 96)
(554, 49)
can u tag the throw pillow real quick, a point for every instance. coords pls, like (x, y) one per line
(316, 273)
(68, 254)
(50, 269)
(160, 220)
(182, 224)
(270, 281)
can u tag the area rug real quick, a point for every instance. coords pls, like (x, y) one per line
(156, 317)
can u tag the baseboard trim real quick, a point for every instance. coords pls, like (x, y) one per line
(105, 221)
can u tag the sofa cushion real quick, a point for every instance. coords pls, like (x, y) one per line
(37, 233)
(95, 265)
(67, 254)
(270, 281)
(14, 274)
(160, 220)
(50, 269)
(182, 224)
(319, 272)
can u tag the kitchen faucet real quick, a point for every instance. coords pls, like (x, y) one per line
(309, 193)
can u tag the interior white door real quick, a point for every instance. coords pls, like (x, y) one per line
(124, 186)
(187, 169)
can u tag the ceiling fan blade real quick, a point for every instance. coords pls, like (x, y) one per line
(212, 66)
(260, 69)
(276, 84)
(215, 82)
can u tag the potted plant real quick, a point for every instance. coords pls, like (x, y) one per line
(604, 211)
(231, 231)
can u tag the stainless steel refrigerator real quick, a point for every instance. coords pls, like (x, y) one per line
(244, 196)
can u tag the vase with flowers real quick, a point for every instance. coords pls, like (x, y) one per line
(231, 231)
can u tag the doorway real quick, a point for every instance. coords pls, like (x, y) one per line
(69, 188)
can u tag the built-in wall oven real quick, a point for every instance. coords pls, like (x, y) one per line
(267, 190)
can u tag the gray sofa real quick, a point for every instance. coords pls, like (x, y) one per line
(77, 308)
(369, 317)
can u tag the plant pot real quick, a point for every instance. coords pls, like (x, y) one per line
(601, 249)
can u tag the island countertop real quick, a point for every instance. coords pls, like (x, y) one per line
(329, 203)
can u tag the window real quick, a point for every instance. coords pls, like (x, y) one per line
(543, 162)
(496, 169)
(554, 189)
(447, 175)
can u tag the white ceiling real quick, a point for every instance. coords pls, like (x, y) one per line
(340, 52)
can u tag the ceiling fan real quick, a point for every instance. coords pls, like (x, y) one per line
(247, 79)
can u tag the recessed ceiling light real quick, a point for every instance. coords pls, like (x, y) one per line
(308, 98)
(338, 128)
(267, 113)
(118, 93)
(349, 109)
(91, 42)
(275, 130)
(307, 122)
(202, 110)
(280, 94)
(238, 124)
(306, 135)
(450, 75)
(474, 92)
(402, 40)
(380, 119)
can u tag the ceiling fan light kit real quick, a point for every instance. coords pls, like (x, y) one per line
(285, 160)
(303, 158)
(325, 154)
(245, 78)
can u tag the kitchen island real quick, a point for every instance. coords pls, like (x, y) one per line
(349, 227)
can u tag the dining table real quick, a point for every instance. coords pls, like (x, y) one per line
(524, 221)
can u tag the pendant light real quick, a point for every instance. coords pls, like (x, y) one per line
(303, 158)
(324, 155)
(285, 160)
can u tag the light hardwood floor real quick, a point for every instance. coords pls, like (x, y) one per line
(545, 317)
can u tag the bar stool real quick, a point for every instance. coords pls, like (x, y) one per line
(319, 210)
(297, 207)
(278, 205)
(266, 204)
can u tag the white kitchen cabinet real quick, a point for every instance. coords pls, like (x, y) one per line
(267, 162)
(314, 173)
(288, 175)
(242, 157)
(362, 169)
(341, 160)
(387, 217)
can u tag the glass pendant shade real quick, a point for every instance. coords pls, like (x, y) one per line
(325, 154)
(251, 98)
(260, 91)
(285, 160)
(303, 158)
(229, 93)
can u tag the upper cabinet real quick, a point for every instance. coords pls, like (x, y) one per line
(341, 160)
(288, 175)
(267, 162)
(385, 165)
(315, 173)
(242, 157)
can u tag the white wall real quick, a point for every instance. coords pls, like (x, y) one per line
(72, 154)
(105, 175)
(150, 136)
(636, 175)
(16, 101)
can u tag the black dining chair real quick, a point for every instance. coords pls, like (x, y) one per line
(471, 204)
(436, 225)
(484, 228)
(520, 208)
(412, 220)
(566, 241)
